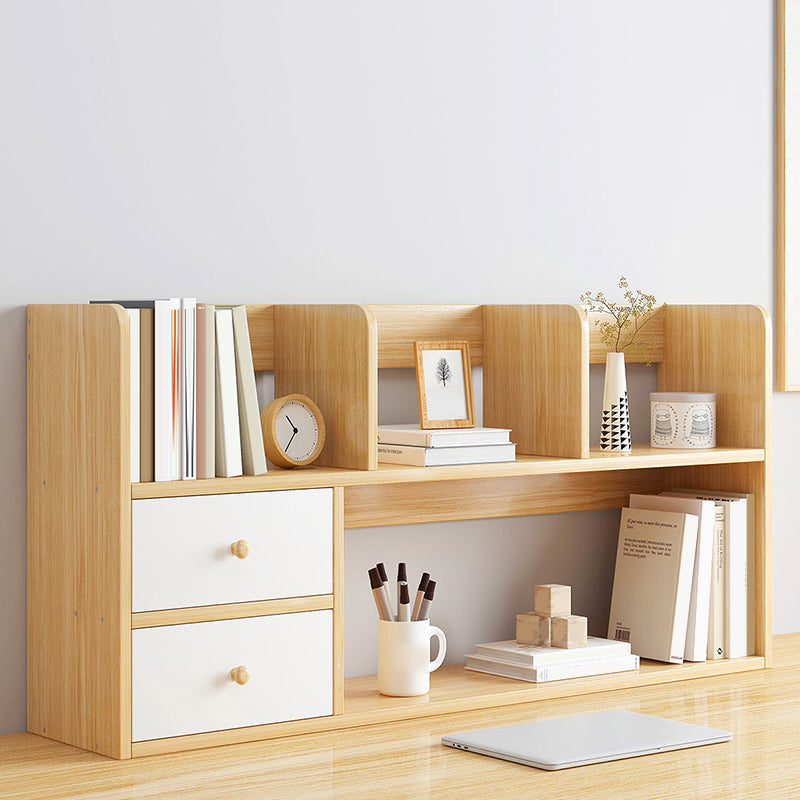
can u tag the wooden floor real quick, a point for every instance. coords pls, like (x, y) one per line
(406, 759)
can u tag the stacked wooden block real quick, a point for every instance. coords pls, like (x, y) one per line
(552, 623)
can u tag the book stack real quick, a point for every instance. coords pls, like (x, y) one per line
(409, 444)
(687, 553)
(194, 409)
(539, 664)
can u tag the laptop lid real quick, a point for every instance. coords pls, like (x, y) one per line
(585, 739)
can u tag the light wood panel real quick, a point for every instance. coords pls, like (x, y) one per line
(401, 504)
(536, 377)
(261, 325)
(399, 326)
(641, 457)
(453, 689)
(652, 336)
(79, 526)
(259, 608)
(338, 600)
(406, 759)
(330, 354)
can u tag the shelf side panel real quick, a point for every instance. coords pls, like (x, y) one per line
(651, 336)
(261, 325)
(485, 498)
(79, 517)
(399, 326)
(536, 377)
(330, 354)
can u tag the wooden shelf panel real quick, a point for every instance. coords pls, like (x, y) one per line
(642, 457)
(453, 689)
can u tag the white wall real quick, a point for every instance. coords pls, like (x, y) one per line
(360, 151)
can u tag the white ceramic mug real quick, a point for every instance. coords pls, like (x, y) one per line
(404, 660)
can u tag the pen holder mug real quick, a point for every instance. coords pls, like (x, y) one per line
(404, 660)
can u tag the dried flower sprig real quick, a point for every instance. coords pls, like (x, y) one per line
(629, 318)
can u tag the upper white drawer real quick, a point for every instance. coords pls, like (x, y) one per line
(182, 548)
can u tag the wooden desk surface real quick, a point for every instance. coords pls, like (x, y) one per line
(406, 760)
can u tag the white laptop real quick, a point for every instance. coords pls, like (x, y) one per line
(585, 739)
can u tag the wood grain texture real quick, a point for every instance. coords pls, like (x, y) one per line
(536, 377)
(641, 457)
(728, 350)
(338, 600)
(329, 353)
(401, 504)
(79, 526)
(258, 608)
(453, 689)
(261, 324)
(652, 336)
(406, 759)
(399, 326)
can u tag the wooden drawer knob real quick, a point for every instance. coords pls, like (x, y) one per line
(240, 549)
(240, 675)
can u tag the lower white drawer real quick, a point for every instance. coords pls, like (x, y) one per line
(182, 673)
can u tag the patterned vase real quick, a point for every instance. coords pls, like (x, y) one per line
(615, 428)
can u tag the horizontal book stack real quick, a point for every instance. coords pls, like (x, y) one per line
(409, 444)
(539, 664)
(194, 409)
(687, 552)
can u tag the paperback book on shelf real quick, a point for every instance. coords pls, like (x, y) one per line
(736, 551)
(653, 582)
(698, 621)
(562, 670)
(412, 434)
(530, 655)
(439, 456)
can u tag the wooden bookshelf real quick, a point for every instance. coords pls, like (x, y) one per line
(80, 499)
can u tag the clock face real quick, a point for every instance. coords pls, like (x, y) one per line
(296, 430)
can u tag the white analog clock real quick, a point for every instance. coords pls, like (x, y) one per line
(293, 431)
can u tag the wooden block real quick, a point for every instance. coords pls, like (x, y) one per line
(569, 631)
(533, 628)
(552, 600)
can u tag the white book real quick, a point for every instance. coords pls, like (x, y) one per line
(439, 456)
(739, 615)
(653, 582)
(206, 374)
(412, 434)
(554, 672)
(228, 448)
(165, 390)
(134, 315)
(704, 510)
(254, 461)
(530, 655)
(188, 388)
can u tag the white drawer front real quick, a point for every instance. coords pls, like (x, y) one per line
(182, 555)
(182, 683)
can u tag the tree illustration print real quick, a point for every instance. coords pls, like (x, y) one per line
(443, 372)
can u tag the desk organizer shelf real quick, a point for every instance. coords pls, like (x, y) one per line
(99, 657)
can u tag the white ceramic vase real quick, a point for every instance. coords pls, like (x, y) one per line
(615, 426)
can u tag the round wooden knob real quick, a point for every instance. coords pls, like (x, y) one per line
(240, 675)
(240, 549)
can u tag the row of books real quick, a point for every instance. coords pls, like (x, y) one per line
(681, 589)
(194, 409)
(409, 444)
(540, 664)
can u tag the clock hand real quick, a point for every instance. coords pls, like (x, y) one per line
(286, 449)
(294, 427)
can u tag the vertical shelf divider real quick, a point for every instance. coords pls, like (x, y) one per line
(536, 377)
(728, 350)
(330, 353)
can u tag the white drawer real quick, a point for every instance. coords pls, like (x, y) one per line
(182, 683)
(182, 548)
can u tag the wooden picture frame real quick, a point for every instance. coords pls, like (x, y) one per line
(442, 405)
